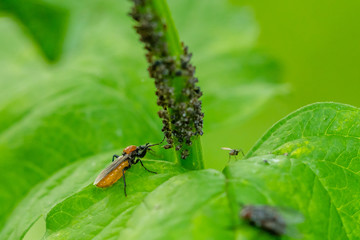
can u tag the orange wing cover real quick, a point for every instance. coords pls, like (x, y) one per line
(113, 176)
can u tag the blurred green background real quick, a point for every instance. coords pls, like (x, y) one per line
(257, 61)
(317, 44)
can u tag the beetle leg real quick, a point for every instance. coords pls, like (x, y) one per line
(144, 166)
(130, 161)
(123, 172)
(115, 156)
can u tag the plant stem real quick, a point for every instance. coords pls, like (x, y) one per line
(172, 38)
(174, 79)
(194, 160)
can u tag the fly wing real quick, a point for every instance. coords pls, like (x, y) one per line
(110, 168)
(225, 148)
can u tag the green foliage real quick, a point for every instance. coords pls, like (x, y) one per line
(296, 170)
(60, 125)
(45, 23)
(81, 211)
(313, 166)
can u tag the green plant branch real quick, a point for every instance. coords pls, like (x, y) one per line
(169, 65)
(171, 34)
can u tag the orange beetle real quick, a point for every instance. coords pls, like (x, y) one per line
(131, 155)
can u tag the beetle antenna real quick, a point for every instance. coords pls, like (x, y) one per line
(157, 143)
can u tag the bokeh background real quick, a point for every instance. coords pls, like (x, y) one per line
(317, 44)
(73, 80)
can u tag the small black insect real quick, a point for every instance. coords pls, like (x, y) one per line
(233, 152)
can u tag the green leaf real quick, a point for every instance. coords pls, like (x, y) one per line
(70, 188)
(165, 212)
(312, 165)
(45, 23)
(288, 168)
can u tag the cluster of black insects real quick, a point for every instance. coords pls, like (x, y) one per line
(181, 110)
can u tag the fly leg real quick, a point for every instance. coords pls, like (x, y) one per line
(144, 166)
(242, 152)
(114, 157)
(123, 172)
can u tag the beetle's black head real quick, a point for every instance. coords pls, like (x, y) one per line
(142, 150)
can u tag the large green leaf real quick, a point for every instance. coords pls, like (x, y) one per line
(164, 212)
(71, 184)
(307, 162)
(314, 167)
